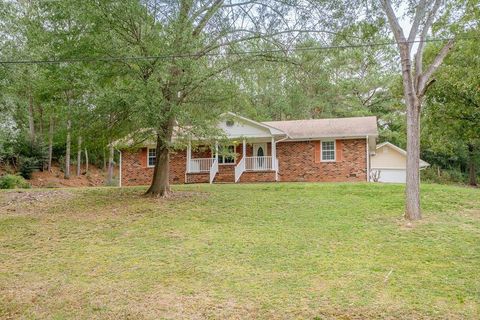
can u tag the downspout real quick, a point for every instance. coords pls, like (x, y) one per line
(368, 161)
(276, 165)
(119, 168)
(189, 158)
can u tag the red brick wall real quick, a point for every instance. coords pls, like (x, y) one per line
(200, 177)
(226, 173)
(296, 162)
(261, 176)
(135, 171)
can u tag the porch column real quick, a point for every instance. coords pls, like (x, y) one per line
(244, 150)
(274, 154)
(189, 155)
(216, 150)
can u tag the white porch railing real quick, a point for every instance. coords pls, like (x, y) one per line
(239, 169)
(204, 165)
(200, 165)
(258, 163)
(213, 169)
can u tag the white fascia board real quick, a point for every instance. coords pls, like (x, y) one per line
(423, 164)
(272, 130)
(330, 137)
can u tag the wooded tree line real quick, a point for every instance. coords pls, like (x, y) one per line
(76, 76)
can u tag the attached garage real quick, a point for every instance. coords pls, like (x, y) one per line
(389, 164)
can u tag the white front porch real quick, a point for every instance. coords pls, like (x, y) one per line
(259, 158)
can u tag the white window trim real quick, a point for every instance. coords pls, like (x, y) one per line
(234, 157)
(148, 157)
(334, 150)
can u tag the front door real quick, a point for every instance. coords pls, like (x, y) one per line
(259, 152)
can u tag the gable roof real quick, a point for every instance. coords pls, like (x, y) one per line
(327, 128)
(272, 130)
(387, 144)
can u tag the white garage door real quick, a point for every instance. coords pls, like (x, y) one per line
(392, 175)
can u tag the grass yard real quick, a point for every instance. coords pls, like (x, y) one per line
(268, 251)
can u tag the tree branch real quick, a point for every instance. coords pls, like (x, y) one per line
(423, 79)
(419, 14)
(423, 35)
(392, 19)
(256, 35)
(207, 16)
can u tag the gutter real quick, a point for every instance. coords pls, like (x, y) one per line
(280, 140)
(276, 165)
(368, 159)
(330, 137)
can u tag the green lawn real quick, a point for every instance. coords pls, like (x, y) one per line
(269, 251)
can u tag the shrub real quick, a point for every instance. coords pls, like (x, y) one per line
(435, 175)
(61, 163)
(113, 183)
(27, 166)
(10, 181)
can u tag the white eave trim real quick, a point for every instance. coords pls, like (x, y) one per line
(423, 164)
(273, 131)
(332, 137)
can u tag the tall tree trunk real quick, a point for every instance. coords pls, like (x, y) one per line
(67, 152)
(86, 160)
(31, 119)
(40, 115)
(160, 185)
(50, 144)
(79, 156)
(104, 160)
(414, 88)
(472, 167)
(110, 165)
(412, 188)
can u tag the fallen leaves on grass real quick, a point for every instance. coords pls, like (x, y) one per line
(25, 201)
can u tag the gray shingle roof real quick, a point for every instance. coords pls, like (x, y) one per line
(325, 128)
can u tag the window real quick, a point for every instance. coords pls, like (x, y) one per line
(328, 150)
(226, 154)
(152, 155)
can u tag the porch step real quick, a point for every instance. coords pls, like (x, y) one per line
(226, 174)
(197, 177)
(224, 178)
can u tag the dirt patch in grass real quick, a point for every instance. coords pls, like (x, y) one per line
(179, 195)
(29, 201)
(55, 178)
(172, 305)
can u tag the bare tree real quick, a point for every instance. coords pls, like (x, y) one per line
(67, 151)
(86, 160)
(50, 144)
(31, 117)
(415, 83)
(79, 156)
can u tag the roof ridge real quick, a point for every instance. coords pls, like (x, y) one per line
(319, 119)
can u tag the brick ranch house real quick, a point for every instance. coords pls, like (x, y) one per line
(320, 150)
